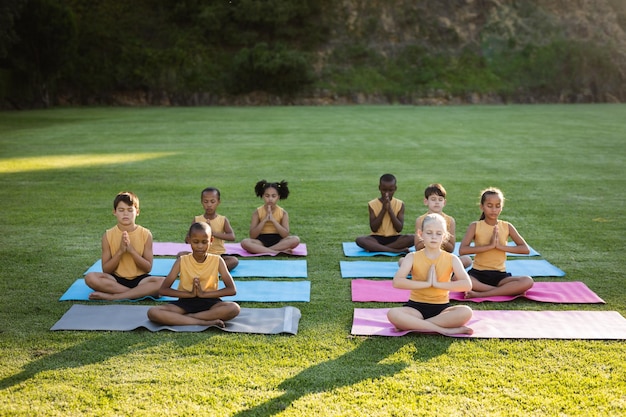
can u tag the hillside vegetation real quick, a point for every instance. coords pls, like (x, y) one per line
(242, 52)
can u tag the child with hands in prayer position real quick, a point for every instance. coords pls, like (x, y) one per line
(434, 273)
(198, 295)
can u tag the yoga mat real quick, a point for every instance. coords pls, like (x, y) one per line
(576, 292)
(532, 252)
(246, 268)
(257, 291)
(130, 317)
(160, 267)
(270, 268)
(374, 269)
(351, 249)
(173, 248)
(512, 324)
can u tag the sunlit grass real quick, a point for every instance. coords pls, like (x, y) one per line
(39, 163)
(561, 169)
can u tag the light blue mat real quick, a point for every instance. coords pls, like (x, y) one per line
(124, 318)
(261, 268)
(351, 249)
(373, 269)
(257, 291)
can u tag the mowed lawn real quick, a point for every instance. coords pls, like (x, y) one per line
(561, 168)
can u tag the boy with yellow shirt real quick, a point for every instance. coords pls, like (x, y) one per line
(386, 215)
(126, 257)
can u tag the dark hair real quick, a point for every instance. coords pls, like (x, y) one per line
(487, 192)
(281, 187)
(387, 178)
(126, 197)
(436, 189)
(200, 226)
(211, 190)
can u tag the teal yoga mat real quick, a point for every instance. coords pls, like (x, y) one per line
(261, 268)
(119, 317)
(378, 269)
(255, 291)
(351, 249)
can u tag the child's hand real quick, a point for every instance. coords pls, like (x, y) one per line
(125, 242)
(432, 276)
(494, 239)
(196, 290)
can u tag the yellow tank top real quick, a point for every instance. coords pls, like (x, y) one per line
(494, 259)
(217, 225)
(269, 227)
(138, 238)
(386, 227)
(419, 272)
(207, 271)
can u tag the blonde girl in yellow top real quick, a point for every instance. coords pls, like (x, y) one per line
(198, 295)
(269, 226)
(490, 236)
(431, 270)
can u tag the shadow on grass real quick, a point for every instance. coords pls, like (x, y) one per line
(360, 364)
(95, 350)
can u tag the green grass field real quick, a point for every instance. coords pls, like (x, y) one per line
(560, 167)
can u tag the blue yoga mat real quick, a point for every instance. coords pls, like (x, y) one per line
(351, 249)
(261, 268)
(373, 269)
(257, 291)
(160, 266)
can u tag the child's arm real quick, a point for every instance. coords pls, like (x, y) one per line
(283, 227)
(144, 261)
(461, 282)
(228, 234)
(375, 219)
(110, 261)
(227, 279)
(521, 247)
(400, 278)
(166, 287)
(256, 225)
(466, 248)
(448, 245)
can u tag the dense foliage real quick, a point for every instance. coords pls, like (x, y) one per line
(203, 52)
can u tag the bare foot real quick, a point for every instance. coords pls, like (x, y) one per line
(287, 251)
(97, 295)
(458, 330)
(218, 323)
(472, 294)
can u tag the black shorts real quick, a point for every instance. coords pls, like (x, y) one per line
(130, 283)
(492, 278)
(269, 239)
(385, 240)
(428, 310)
(196, 305)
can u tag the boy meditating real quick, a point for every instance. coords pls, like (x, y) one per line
(386, 215)
(126, 257)
(199, 301)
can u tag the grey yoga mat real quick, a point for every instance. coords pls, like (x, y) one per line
(131, 317)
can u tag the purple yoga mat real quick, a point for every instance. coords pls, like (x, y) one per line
(575, 292)
(173, 248)
(512, 324)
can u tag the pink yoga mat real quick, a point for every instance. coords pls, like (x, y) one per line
(173, 248)
(576, 292)
(512, 324)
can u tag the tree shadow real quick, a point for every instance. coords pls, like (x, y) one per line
(360, 364)
(94, 350)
